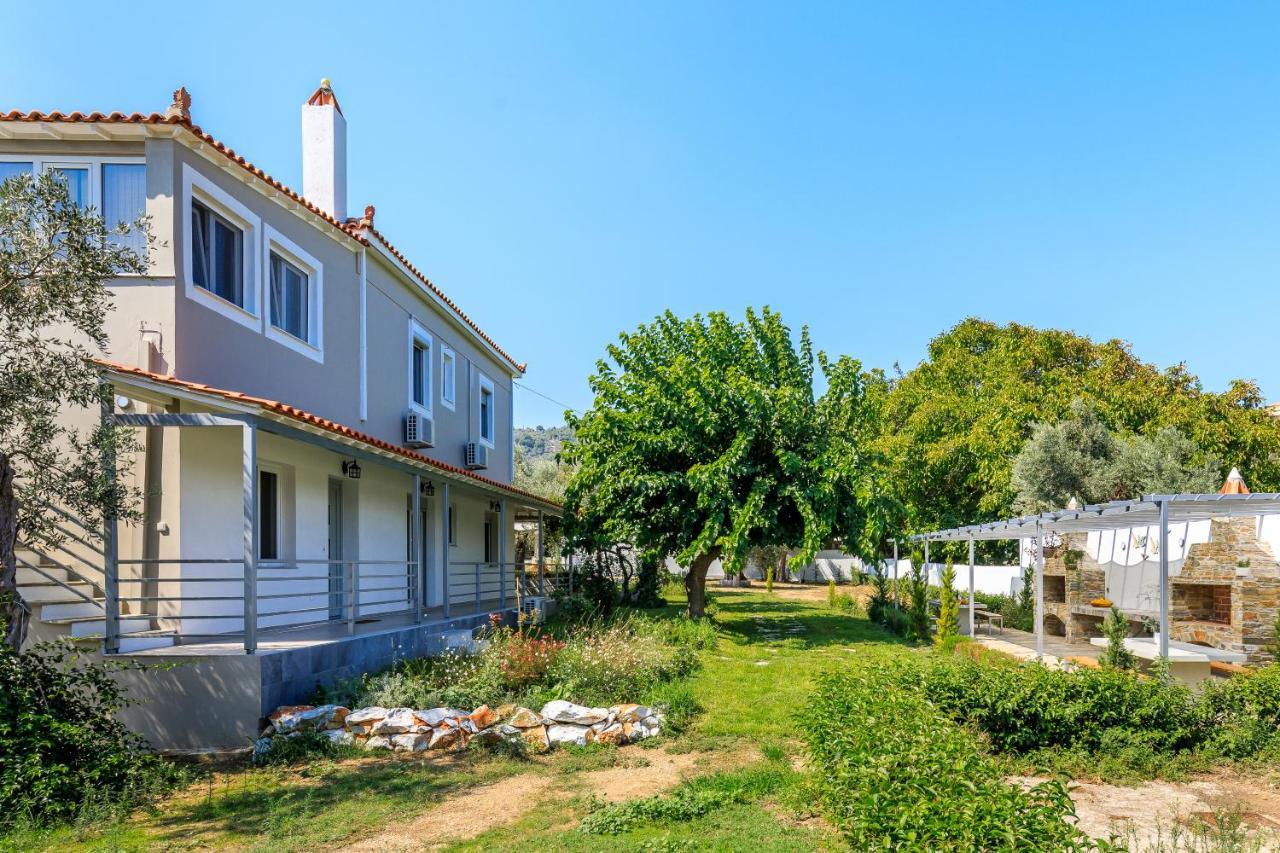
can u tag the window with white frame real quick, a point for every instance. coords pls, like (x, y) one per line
(420, 343)
(116, 186)
(486, 410)
(217, 255)
(448, 376)
(295, 295)
(268, 515)
(222, 251)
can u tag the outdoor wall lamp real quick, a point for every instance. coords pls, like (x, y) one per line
(429, 489)
(351, 469)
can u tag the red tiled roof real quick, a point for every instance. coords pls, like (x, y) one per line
(354, 228)
(315, 420)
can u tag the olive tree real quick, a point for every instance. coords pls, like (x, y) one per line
(55, 261)
(706, 439)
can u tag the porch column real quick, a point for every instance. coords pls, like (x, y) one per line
(542, 575)
(1039, 593)
(926, 562)
(972, 605)
(502, 554)
(415, 565)
(895, 574)
(249, 478)
(110, 539)
(444, 543)
(1164, 579)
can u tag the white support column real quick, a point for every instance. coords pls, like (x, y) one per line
(249, 479)
(1039, 593)
(110, 541)
(1164, 579)
(502, 554)
(444, 544)
(896, 603)
(972, 605)
(415, 565)
(542, 577)
(926, 561)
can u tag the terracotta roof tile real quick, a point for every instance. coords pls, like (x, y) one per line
(353, 228)
(324, 423)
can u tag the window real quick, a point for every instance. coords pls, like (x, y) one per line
(453, 526)
(488, 539)
(486, 410)
(419, 367)
(268, 516)
(290, 299)
(295, 295)
(124, 199)
(448, 376)
(10, 169)
(217, 255)
(76, 180)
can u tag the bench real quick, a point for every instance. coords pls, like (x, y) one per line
(1222, 667)
(991, 617)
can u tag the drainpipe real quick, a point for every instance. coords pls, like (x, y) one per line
(364, 337)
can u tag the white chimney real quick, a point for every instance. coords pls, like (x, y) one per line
(324, 152)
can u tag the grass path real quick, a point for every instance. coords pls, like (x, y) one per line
(752, 686)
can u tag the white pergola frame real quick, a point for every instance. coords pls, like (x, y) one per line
(1149, 511)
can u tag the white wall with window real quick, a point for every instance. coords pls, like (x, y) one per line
(295, 295)
(421, 344)
(115, 186)
(485, 406)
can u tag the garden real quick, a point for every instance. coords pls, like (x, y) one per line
(796, 723)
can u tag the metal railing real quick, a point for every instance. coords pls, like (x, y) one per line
(477, 584)
(283, 595)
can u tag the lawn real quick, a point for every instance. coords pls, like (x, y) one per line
(740, 760)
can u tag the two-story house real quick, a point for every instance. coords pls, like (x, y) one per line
(326, 436)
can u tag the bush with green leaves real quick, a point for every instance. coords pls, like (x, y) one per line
(896, 773)
(1116, 629)
(63, 753)
(949, 607)
(918, 607)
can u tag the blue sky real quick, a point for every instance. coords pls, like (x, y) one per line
(878, 172)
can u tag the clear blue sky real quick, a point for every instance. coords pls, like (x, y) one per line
(569, 170)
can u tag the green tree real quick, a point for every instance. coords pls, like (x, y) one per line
(949, 606)
(952, 426)
(1116, 628)
(918, 591)
(705, 439)
(55, 262)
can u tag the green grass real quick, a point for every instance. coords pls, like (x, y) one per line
(749, 690)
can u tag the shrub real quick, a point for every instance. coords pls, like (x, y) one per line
(897, 774)
(523, 659)
(949, 609)
(1116, 629)
(63, 753)
(919, 606)
(1245, 713)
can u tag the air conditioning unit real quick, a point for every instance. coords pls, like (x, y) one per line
(533, 610)
(477, 456)
(419, 430)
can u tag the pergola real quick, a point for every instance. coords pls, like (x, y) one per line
(1149, 511)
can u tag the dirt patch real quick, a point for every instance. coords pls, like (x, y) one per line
(816, 593)
(640, 773)
(1155, 808)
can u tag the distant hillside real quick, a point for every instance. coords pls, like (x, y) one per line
(542, 442)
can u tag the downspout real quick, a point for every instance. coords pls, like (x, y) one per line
(364, 338)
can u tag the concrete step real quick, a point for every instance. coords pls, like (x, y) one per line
(96, 626)
(70, 609)
(142, 642)
(48, 592)
(31, 576)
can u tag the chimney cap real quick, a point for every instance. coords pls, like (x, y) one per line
(1234, 484)
(181, 106)
(324, 97)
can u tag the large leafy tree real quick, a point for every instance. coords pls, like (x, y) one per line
(706, 439)
(55, 261)
(952, 426)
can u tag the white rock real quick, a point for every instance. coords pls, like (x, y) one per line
(410, 742)
(339, 736)
(378, 742)
(561, 733)
(648, 727)
(566, 712)
(397, 721)
(436, 716)
(366, 716)
(307, 718)
(632, 713)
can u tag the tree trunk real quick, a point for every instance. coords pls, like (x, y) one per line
(781, 571)
(14, 610)
(695, 583)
